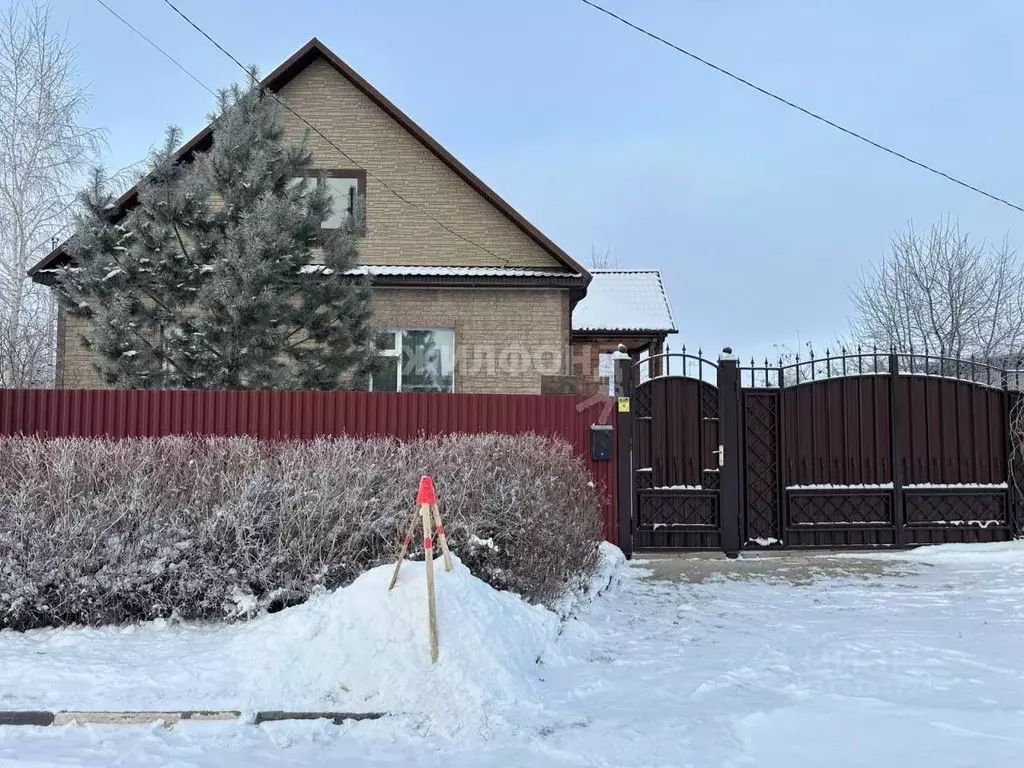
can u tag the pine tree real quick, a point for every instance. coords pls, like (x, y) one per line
(221, 277)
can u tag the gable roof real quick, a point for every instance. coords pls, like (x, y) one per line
(284, 74)
(625, 300)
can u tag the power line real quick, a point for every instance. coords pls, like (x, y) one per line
(317, 131)
(798, 108)
(173, 60)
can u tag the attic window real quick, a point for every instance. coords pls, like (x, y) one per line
(346, 187)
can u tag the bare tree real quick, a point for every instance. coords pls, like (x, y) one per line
(44, 148)
(942, 292)
(603, 259)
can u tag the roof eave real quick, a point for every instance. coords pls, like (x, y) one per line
(573, 283)
(570, 282)
(618, 333)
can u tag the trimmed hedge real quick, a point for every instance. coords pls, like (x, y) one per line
(96, 531)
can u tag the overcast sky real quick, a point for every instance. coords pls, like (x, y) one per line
(759, 217)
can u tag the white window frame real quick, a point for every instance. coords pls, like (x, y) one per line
(396, 350)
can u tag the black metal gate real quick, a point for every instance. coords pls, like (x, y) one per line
(858, 450)
(676, 474)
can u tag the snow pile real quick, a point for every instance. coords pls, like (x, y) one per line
(953, 554)
(363, 648)
(609, 560)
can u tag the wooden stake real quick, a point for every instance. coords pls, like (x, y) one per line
(428, 546)
(439, 529)
(405, 548)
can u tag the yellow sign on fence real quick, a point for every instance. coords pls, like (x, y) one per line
(623, 405)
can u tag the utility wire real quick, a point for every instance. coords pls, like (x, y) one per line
(173, 60)
(317, 131)
(798, 108)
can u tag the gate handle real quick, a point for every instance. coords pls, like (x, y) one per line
(721, 455)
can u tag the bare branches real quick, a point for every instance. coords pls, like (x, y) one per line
(603, 259)
(44, 148)
(943, 292)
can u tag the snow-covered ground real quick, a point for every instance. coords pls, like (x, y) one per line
(894, 659)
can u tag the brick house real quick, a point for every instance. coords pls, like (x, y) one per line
(488, 294)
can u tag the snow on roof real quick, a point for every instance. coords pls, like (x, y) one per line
(459, 271)
(625, 300)
(409, 271)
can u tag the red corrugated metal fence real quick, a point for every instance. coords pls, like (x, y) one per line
(303, 415)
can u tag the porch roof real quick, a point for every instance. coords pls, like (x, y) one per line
(621, 301)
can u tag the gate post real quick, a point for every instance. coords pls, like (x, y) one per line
(896, 460)
(624, 448)
(729, 451)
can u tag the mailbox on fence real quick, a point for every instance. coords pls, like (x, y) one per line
(600, 442)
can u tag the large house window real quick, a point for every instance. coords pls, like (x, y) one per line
(415, 360)
(346, 188)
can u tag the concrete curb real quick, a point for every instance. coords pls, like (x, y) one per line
(26, 717)
(336, 717)
(136, 718)
(169, 718)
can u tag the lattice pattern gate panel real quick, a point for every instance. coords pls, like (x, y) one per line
(761, 470)
(945, 515)
(837, 519)
(678, 519)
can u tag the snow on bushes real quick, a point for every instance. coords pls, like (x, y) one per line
(97, 531)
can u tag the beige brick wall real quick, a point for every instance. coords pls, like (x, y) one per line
(397, 232)
(74, 362)
(505, 340)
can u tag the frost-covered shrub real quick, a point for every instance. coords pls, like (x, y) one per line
(97, 531)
